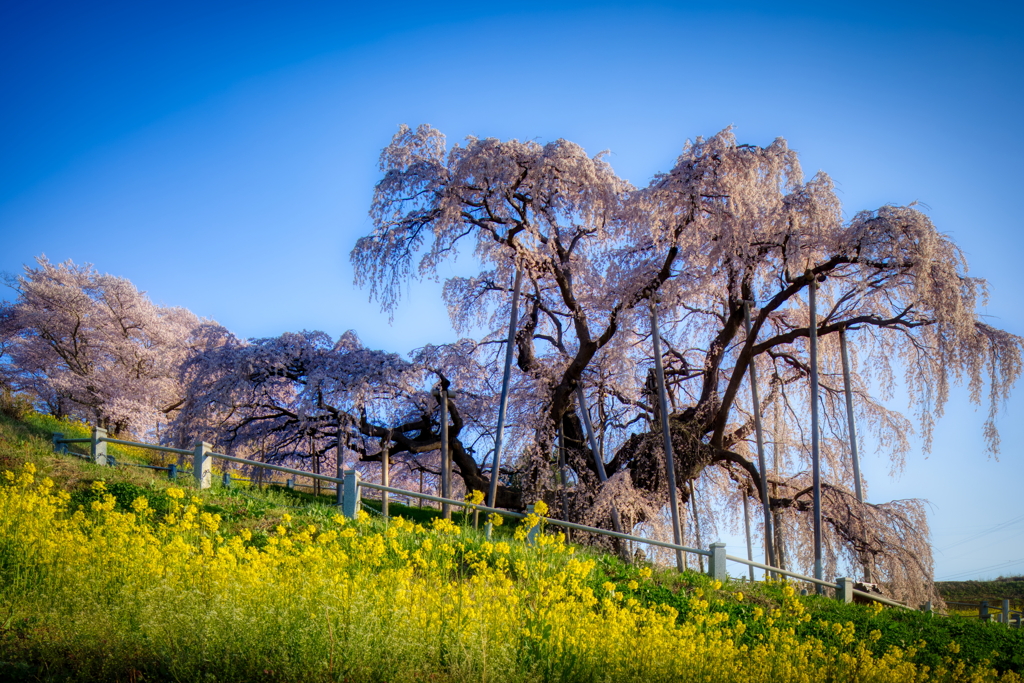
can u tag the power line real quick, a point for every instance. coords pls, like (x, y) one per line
(1001, 565)
(990, 530)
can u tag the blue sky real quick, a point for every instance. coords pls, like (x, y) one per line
(222, 156)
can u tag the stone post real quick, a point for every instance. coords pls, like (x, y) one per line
(844, 589)
(98, 447)
(716, 567)
(202, 465)
(351, 501)
(531, 535)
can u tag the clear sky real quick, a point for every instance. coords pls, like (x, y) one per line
(222, 156)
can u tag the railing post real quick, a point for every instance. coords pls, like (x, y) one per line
(290, 484)
(226, 480)
(98, 447)
(385, 477)
(716, 565)
(844, 589)
(59, 447)
(531, 535)
(351, 501)
(202, 464)
(172, 472)
(928, 608)
(1006, 612)
(983, 610)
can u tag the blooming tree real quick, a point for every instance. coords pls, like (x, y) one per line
(91, 346)
(302, 397)
(728, 224)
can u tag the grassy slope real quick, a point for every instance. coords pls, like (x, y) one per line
(976, 591)
(29, 441)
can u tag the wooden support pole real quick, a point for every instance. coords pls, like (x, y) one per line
(510, 342)
(446, 463)
(819, 571)
(666, 435)
(563, 477)
(746, 529)
(769, 546)
(851, 424)
(598, 462)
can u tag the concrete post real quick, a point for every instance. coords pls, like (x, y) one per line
(844, 589)
(716, 567)
(202, 465)
(98, 447)
(351, 501)
(531, 535)
(928, 608)
(1006, 612)
(385, 477)
(289, 484)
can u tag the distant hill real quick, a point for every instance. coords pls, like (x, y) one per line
(976, 591)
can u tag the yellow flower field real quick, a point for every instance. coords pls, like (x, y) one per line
(134, 595)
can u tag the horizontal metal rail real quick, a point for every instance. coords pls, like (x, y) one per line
(549, 520)
(461, 503)
(770, 568)
(879, 598)
(166, 449)
(73, 441)
(146, 467)
(278, 468)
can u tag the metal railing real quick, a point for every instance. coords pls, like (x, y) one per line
(1010, 617)
(348, 488)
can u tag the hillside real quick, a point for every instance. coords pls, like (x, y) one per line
(975, 591)
(117, 574)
